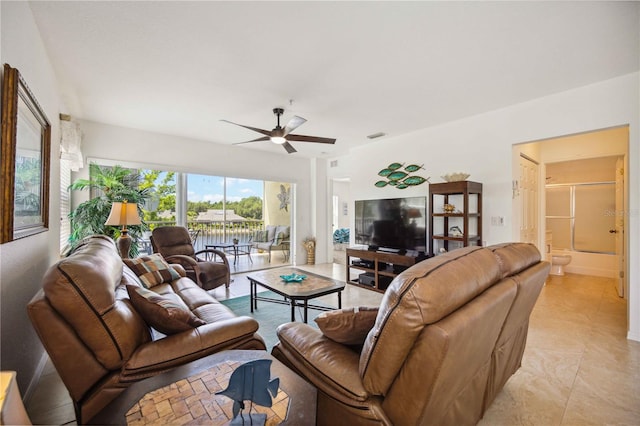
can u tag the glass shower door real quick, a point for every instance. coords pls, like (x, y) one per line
(594, 228)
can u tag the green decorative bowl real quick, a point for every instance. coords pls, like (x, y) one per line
(293, 278)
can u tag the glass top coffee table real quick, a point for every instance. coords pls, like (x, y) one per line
(236, 249)
(295, 294)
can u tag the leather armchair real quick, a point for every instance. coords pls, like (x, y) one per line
(174, 244)
(449, 333)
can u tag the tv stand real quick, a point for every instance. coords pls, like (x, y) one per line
(389, 250)
(384, 266)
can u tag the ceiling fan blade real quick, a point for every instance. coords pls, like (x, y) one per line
(304, 138)
(264, 138)
(255, 129)
(293, 124)
(290, 149)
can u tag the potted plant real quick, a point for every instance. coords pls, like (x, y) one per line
(112, 184)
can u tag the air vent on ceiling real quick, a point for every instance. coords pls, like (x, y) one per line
(376, 135)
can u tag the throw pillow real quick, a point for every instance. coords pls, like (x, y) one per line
(259, 236)
(161, 312)
(271, 232)
(348, 326)
(282, 234)
(152, 270)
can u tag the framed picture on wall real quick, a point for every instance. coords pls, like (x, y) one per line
(24, 163)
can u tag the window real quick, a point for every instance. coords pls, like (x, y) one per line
(224, 208)
(65, 204)
(218, 208)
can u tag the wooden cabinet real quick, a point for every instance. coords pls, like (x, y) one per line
(379, 266)
(466, 197)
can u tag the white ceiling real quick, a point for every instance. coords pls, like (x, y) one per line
(351, 68)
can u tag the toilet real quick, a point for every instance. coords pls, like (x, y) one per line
(558, 262)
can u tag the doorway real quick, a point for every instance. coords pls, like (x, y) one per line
(575, 149)
(341, 212)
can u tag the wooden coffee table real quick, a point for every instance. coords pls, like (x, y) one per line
(186, 395)
(294, 293)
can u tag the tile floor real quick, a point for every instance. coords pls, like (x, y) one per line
(578, 367)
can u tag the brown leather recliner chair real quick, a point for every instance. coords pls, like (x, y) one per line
(449, 333)
(174, 244)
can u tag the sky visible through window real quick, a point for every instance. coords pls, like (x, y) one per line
(211, 188)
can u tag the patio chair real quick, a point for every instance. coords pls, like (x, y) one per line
(208, 268)
(193, 233)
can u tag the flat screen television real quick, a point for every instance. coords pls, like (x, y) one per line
(394, 224)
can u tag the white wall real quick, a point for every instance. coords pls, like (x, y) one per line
(482, 146)
(23, 262)
(127, 146)
(341, 189)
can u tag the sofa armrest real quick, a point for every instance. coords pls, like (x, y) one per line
(330, 366)
(187, 263)
(180, 348)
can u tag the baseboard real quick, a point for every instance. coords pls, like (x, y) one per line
(596, 272)
(633, 336)
(35, 379)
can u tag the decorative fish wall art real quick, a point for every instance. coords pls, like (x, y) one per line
(399, 175)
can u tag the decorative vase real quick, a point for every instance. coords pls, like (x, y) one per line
(310, 246)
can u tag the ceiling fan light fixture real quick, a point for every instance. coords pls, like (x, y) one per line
(282, 135)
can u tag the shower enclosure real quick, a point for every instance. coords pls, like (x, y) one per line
(581, 216)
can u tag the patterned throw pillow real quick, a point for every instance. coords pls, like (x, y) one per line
(162, 312)
(349, 326)
(259, 237)
(152, 270)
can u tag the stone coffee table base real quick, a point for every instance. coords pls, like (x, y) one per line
(193, 401)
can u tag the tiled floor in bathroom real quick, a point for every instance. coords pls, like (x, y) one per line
(578, 367)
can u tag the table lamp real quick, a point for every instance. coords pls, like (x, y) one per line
(123, 214)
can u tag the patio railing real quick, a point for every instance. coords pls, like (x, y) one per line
(216, 232)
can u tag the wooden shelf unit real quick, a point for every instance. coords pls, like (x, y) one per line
(383, 265)
(465, 190)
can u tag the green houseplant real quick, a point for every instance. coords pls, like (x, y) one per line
(111, 184)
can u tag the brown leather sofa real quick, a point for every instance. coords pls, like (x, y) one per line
(100, 344)
(449, 333)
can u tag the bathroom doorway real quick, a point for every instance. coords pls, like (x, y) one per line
(593, 252)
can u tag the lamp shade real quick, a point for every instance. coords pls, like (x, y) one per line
(123, 214)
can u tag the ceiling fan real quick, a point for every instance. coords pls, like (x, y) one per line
(282, 135)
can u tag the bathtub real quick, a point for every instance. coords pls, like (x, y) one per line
(599, 265)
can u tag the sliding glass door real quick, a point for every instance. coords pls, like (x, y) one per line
(223, 209)
(216, 209)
